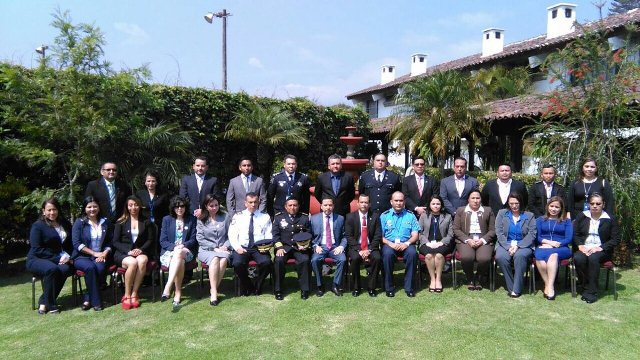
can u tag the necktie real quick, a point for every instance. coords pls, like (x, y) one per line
(379, 178)
(112, 197)
(420, 185)
(290, 178)
(327, 230)
(199, 181)
(251, 231)
(364, 234)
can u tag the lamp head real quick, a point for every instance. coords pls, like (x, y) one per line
(209, 17)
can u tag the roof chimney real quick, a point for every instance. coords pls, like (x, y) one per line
(492, 41)
(560, 19)
(418, 64)
(388, 74)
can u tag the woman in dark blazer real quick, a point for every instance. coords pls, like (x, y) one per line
(474, 230)
(49, 254)
(133, 239)
(91, 236)
(178, 245)
(516, 233)
(596, 234)
(588, 183)
(436, 240)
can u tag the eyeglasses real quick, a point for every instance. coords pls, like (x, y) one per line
(179, 207)
(418, 164)
(111, 169)
(595, 203)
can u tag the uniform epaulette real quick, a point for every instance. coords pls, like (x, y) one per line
(386, 211)
(278, 213)
(238, 212)
(305, 214)
(538, 182)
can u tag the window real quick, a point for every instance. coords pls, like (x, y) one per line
(554, 13)
(390, 69)
(487, 36)
(567, 13)
(372, 109)
(421, 58)
(497, 34)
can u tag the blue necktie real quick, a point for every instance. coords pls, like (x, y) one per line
(251, 241)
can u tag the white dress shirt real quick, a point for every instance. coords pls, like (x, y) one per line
(239, 228)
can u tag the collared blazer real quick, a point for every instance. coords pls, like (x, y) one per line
(160, 205)
(449, 192)
(168, 233)
(491, 194)
(379, 192)
(81, 235)
(98, 189)
(608, 230)
(462, 223)
(46, 243)
(538, 197)
(236, 193)
(278, 189)
(189, 190)
(123, 241)
(346, 192)
(445, 227)
(529, 229)
(285, 227)
(412, 198)
(352, 230)
(317, 230)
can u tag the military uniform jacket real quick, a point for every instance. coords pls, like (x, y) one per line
(285, 226)
(379, 192)
(280, 189)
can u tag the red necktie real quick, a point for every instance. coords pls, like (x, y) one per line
(420, 184)
(364, 234)
(327, 230)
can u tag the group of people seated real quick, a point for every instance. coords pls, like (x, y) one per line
(130, 231)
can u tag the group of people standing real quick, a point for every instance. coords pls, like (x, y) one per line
(395, 219)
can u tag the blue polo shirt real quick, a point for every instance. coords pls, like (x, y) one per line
(397, 227)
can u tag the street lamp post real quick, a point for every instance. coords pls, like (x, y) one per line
(42, 49)
(209, 18)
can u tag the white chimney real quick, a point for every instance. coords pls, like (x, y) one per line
(492, 41)
(388, 74)
(560, 19)
(418, 64)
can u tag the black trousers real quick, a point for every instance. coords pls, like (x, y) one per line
(588, 268)
(354, 265)
(241, 264)
(303, 266)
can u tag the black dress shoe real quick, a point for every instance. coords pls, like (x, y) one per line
(86, 306)
(42, 311)
(97, 308)
(279, 295)
(410, 293)
(355, 293)
(514, 296)
(164, 298)
(257, 292)
(372, 293)
(390, 294)
(304, 295)
(336, 290)
(320, 291)
(54, 310)
(214, 302)
(588, 300)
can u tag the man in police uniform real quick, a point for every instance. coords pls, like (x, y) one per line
(399, 234)
(285, 226)
(379, 183)
(287, 184)
(247, 228)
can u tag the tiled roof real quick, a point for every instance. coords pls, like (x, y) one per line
(535, 44)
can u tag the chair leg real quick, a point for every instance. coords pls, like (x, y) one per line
(33, 293)
(492, 276)
(606, 282)
(154, 273)
(572, 267)
(453, 273)
(532, 279)
(615, 288)
(162, 280)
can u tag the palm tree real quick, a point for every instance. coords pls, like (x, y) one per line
(267, 127)
(499, 82)
(437, 111)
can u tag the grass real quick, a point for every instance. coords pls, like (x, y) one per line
(454, 324)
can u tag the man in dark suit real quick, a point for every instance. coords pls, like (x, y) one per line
(495, 192)
(327, 229)
(455, 189)
(418, 188)
(110, 193)
(337, 185)
(543, 190)
(245, 183)
(285, 226)
(379, 183)
(364, 233)
(195, 187)
(287, 184)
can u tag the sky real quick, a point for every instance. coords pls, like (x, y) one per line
(318, 49)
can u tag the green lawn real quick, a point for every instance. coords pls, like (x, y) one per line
(454, 324)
